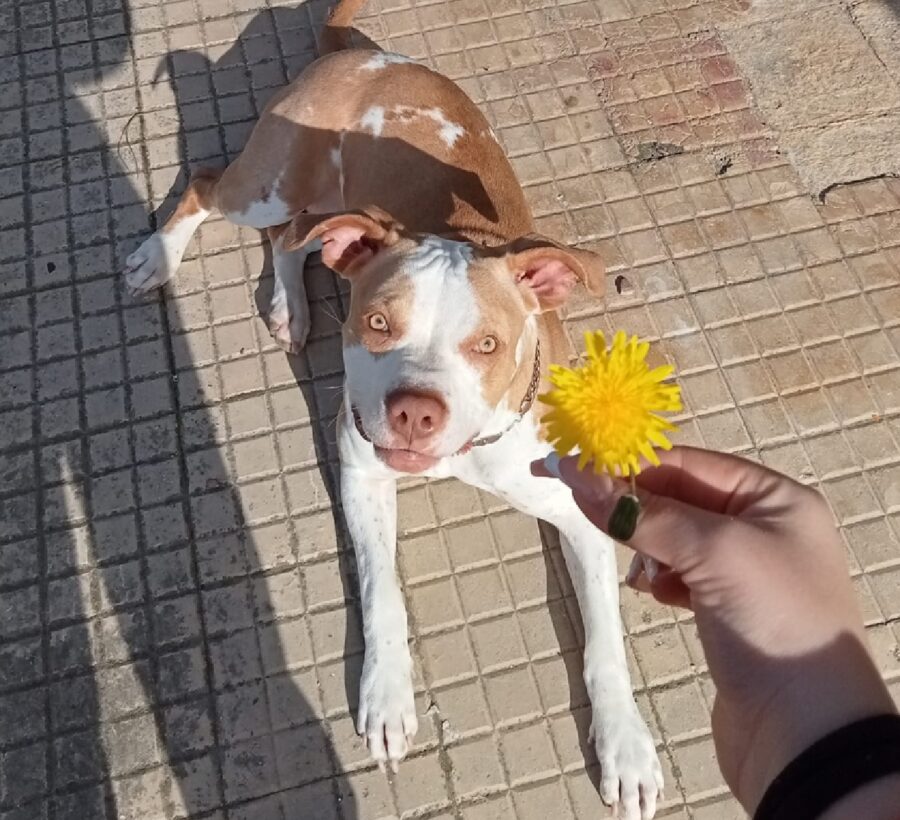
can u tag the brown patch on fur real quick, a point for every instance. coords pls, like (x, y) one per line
(500, 299)
(467, 190)
(503, 314)
(382, 289)
(200, 195)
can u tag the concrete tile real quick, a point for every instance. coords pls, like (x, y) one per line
(421, 784)
(537, 801)
(777, 310)
(513, 695)
(476, 767)
(463, 706)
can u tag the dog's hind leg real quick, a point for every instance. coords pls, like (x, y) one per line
(154, 263)
(289, 318)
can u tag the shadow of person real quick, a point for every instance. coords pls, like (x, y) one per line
(233, 90)
(59, 721)
(243, 79)
(318, 369)
(239, 702)
(155, 658)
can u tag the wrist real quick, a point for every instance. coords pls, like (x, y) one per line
(820, 694)
(878, 800)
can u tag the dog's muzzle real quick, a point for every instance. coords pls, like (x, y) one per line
(482, 441)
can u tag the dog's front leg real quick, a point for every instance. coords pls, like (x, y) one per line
(387, 714)
(630, 770)
(631, 773)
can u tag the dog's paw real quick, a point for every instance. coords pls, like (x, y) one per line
(154, 263)
(387, 711)
(631, 777)
(289, 327)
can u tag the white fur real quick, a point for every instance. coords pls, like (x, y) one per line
(154, 263)
(624, 745)
(383, 59)
(289, 319)
(387, 714)
(264, 213)
(373, 120)
(444, 313)
(449, 131)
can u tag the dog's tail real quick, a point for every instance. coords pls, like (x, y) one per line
(336, 34)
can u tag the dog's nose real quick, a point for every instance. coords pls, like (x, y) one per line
(415, 416)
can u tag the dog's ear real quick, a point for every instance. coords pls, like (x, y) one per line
(349, 239)
(549, 271)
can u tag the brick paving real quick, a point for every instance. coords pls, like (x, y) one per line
(178, 628)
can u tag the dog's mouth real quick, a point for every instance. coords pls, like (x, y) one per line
(401, 459)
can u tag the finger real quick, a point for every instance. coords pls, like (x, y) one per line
(586, 482)
(639, 584)
(668, 588)
(642, 567)
(703, 478)
(714, 481)
(668, 530)
(539, 469)
(635, 569)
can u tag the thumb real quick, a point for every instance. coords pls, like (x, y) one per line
(673, 532)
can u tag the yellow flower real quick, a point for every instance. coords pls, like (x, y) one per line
(608, 408)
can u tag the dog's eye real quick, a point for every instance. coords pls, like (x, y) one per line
(488, 344)
(378, 322)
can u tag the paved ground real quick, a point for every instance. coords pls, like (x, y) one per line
(178, 634)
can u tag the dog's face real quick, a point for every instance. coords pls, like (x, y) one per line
(438, 330)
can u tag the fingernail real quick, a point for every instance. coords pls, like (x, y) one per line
(551, 463)
(623, 520)
(651, 568)
(634, 569)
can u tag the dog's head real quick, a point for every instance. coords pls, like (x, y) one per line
(438, 330)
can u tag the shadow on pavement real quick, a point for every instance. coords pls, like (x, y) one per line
(143, 672)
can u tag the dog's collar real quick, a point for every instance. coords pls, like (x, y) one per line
(483, 441)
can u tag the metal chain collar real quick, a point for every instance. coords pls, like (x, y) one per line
(524, 407)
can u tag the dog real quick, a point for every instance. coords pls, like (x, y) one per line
(393, 173)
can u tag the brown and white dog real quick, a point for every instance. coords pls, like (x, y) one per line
(394, 174)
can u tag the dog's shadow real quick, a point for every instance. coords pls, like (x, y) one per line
(274, 47)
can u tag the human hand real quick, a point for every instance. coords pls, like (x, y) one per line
(757, 558)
